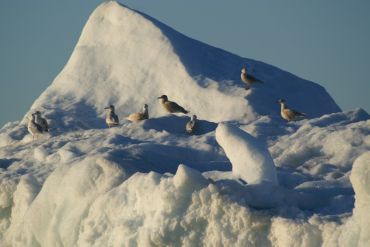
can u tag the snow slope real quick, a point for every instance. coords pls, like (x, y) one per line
(127, 58)
(152, 184)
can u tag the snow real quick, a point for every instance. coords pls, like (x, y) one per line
(250, 160)
(356, 231)
(334, 144)
(245, 178)
(122, 51)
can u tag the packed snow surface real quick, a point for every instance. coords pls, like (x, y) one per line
(245, 177)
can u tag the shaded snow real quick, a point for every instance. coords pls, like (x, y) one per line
(152, 184)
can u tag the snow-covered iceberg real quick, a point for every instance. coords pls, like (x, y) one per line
(152, 184)
(129, 59)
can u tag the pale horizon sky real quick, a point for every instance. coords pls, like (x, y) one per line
(327, 42)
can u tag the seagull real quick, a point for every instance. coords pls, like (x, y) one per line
(41, 121)
(190, 126)
(138, 116)
(171, 107)
(248, 79)
(33, 127)
(289, 114)
(111, 118)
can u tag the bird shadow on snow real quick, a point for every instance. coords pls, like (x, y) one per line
(176, 125)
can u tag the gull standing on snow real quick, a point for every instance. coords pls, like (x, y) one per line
(247, 78)
(41, 121)
(138, 116)
(171, 107)
(289, 114)
(190, 126)
(111, 118)
(34, 128)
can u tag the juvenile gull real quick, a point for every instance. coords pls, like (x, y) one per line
(247, 78)
(190, 126)
(138, 116)
(111, 118)
(171, 107)
(289, 114)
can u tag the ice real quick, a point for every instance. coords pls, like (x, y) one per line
(327, 142)
(285, 232)
(26, 191)
(122, 51)
(251, 161)
(55, 214)
(245, 178)
(189, 217)
(355, 232)
(40, 153)
(188, 179)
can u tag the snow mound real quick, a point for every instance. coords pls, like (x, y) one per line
(125, 185)
(66, 195)
(128, 59)
(360, 178)
(250, 159)
(93, 203)
(356, 231)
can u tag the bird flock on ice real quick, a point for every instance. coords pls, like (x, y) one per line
(38, 125)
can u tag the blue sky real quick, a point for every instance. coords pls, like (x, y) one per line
(324, 41)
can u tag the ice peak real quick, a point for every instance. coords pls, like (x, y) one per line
(127, 58)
